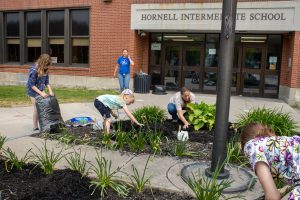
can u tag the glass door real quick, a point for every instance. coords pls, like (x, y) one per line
(192, 58)
(172, 64)
(252, 68)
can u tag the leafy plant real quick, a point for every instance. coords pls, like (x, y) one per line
(2, 141)
(200, 115)
(149, 114)
(180, 149)
(121, 138)
(76, 163)
(137, 141)
(12, 160)
(67, 138)
(107, 141)
(282, 123)
(155, 140)
(105, 177)
(139, 181)
(46, 159)
(210, 187)
(234, 152)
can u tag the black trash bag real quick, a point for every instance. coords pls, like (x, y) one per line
(49, 116)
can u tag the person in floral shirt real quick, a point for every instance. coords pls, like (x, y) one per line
(271, 157)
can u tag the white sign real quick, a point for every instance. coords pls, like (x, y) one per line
(251, 16)
(54, 59)
(273, 59)
(156, 46)
(212, 51)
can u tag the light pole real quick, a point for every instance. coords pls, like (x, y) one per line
(224, 87)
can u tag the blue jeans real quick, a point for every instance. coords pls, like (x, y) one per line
(124, 81)
(172, 110)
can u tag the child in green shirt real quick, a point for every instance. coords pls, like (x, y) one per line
(106, 103)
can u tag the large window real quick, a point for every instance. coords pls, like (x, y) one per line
(12, 37)
(80, 36)
(56, 21)
(33, 35)
(63, 34)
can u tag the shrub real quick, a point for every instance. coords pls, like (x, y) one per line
(201, 115)
(282, 123)
(149, 114)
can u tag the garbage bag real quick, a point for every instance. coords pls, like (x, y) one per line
(49, 115)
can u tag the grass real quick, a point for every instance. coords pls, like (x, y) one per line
(16, 95)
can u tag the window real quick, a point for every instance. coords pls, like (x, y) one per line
(211, 52)
(33, 35)
(80, 36)
(12, 37)
(56, 21)
(274, 52)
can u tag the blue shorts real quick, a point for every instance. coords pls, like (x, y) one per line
(104, 110)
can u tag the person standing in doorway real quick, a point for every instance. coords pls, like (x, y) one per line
(38, 80)
(123, 66)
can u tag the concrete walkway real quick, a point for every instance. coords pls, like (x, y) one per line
(16, 124)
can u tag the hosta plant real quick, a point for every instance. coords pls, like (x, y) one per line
(281, 122)
(201, 115)
(149, 114)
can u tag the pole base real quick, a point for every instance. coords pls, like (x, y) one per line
(222, 175)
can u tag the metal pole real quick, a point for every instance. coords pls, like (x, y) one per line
(224, 86)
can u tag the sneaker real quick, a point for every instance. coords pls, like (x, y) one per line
(36, 131)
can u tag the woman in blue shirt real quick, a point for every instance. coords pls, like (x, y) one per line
(38, 79)
(123, 64)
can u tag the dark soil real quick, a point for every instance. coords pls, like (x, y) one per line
(31, 183)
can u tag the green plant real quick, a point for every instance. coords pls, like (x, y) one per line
(2, 141)
(149, 114)
(180, 149)
(46, 159)
(121, 138)
(76, 163)
(282, 123)
(139, 181)
(107, 141)
(234, 152)
(12, 160)
(105, 177)
(136, 141)
(200, 115)
(210, 187)
(155, 140)
(66, 137)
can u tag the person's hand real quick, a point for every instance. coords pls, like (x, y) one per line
(185, 126)
(51, 94)
(44, 95)
(139, 124)
(114, 115)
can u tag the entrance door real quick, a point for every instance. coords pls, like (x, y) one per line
(252, 69)
(181, 65)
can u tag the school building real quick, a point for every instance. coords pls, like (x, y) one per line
(174, 41)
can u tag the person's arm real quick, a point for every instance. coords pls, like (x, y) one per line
(266, 180)
(50, 90)
(182, 118)
(128, 113)
(131, 61)
(42, 93)
(116, 69)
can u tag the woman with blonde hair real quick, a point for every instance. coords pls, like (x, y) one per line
(38, 80)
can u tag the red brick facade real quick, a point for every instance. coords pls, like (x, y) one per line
(110, 32)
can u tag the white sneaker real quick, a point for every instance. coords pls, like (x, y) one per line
(36, 131)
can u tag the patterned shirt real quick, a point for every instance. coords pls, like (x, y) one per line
(34, 80)
(280, 153)
(178, 101)
(112, 101)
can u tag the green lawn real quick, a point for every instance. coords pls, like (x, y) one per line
(16, 95)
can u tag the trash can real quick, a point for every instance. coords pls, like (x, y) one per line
(142, 82)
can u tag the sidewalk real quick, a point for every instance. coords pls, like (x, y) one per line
(16, 124)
